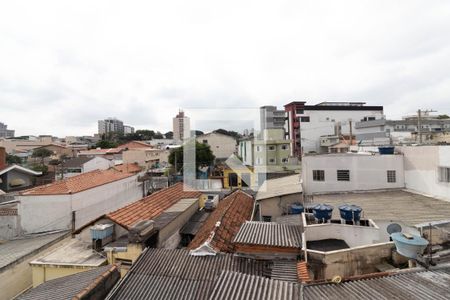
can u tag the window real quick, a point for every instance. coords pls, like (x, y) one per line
(299, 111)
(259, 161)
(272, 161)
(343, 175)
(267, 218)
(444, 174)
(258, 148)
(284, 160)
(205, 141)
(318, 175)
(304, 119)
(272, 148)
(391, 176)
(284, 147)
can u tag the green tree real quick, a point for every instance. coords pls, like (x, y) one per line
(203, 156)
(231, 133)
(168, 135)
(13, 159)
(443, 117)
(105, 144)
(42, 153)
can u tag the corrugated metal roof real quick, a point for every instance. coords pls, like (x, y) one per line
(269, 234)
(284, 270)
(233, 285)
(418, 285)
(66, 287)
(174, 274)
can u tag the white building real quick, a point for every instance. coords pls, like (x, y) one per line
(348, 172)
(5, 132)
(76, 201)
(181, 127)
(222, 146)
(128, 129)
(307, 123)
(427, 170)
(82, 164)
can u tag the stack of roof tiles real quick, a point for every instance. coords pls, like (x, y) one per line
(302, 272)
(128, 168)
(78, 183)
(174, 274)
(152, 206)
(231, 213)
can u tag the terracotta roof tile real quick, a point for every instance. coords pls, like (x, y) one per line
(232, 212)
(128, 168)
(151, 206)
(135, 145)
(78, 183)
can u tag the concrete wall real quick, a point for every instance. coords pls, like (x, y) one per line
(54, 212)
(278, 206)
(354, 236)
(422, 169)
(222, 146)
(9, 221)
(349, 262)
(169, 237)
(367, 172)
(17, 278)
(14, 174)
(98, 163)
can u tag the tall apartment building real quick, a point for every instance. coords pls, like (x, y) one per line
(181, 127)
(110, 125)
(5, 132)
(306, 124)
(271, 118)
(128, 129)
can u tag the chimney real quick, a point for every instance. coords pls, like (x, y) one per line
(2, 158)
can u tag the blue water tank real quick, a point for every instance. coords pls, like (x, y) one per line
(409, 245)
(350, 212)
(296, 208)
(386, 150)
(323, 212)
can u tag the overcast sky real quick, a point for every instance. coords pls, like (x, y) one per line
(66, 64)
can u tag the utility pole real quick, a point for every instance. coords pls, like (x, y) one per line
(351, 131)
(419, 122)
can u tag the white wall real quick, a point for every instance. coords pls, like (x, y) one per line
(322, 122)
(54, 212)
(421, 169)
(221, 145)
(98, 163)
(367, 172)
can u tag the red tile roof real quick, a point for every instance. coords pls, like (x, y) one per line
(128, 168)
(302, 272)
(135, 145)
(231, 212)
(151, 206)
(78, 183)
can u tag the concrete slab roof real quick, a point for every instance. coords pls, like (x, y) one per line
(279, 187)
(15, 250)
(75, 253)
(396, 205)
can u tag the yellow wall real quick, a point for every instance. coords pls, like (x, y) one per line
(226, 172)
(132, 253)
(43, 273)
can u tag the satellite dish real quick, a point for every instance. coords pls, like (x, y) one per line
(394, 227)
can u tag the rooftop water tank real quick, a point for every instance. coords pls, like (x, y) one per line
(101, 231)
(323, 212)
(409, 245)
(386, 150)
(350, 212)
(296, 208)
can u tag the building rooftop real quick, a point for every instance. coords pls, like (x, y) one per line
(14, 250)
(195, 222)
(75, 253)
(280, 187)
(77, 162)
(433, 284)
(152, 206)
(224, 222)
(269, 234)
(135, 145)
(174, 274)
(396, 205)
(101, 151)
(20, 169)
(78, 183)
(69, 287)
(128, 168)
(237, 286)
